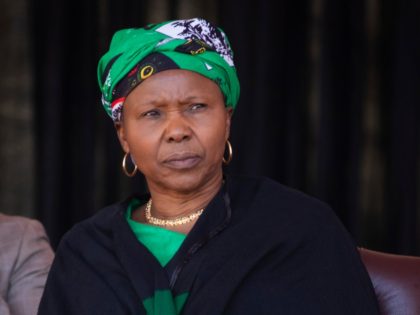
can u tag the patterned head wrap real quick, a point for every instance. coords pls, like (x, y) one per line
(137, 53)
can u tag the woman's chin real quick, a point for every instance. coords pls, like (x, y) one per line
(184, 184)
(188, 182)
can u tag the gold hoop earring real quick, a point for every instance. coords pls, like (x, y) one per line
(124, 167)
(230, 152)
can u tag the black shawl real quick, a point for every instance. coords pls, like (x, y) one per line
(258, 248)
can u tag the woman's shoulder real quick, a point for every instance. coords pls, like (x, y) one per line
(270, 190)
(263, 195)
(283, 213)
(96, 229)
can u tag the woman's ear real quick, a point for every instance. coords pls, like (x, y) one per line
(119, 127)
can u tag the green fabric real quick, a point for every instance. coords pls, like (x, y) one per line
(129, 46)
(162, 243)
(163, 303)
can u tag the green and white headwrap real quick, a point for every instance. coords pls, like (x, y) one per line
(137, 53)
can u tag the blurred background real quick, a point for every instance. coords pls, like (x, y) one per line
(330, 105)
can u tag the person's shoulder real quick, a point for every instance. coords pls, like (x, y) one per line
(277, 209)
(97, 228)
(272, 190)
(26, 243)
(280, 201)
(14, 225)
(16, 220)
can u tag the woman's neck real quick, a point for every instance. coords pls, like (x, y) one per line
(172, 204)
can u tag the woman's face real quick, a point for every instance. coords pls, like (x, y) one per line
(175, 126)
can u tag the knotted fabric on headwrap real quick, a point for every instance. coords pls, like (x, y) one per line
(137, 53)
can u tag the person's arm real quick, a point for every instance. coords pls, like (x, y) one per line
(4, 308)
(30, 270)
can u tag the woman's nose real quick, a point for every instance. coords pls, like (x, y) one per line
(177, 129)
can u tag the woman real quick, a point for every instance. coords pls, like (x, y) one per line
(200, 242)
(25, 259)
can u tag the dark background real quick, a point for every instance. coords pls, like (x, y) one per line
(329, 105)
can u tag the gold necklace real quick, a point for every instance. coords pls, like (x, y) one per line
(169, 222)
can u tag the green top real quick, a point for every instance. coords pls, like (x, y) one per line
(162, 243)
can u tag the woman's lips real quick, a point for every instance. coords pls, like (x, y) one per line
(182, 160)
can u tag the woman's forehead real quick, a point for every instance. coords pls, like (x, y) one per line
(182, 83)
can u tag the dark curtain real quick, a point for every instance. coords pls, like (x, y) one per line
(329, 105)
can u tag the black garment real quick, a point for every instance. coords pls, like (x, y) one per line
(258, 248)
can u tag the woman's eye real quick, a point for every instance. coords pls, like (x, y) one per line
(151, 113)
(198, 106)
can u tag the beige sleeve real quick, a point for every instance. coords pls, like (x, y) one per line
(4, 308)
(30, 271)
